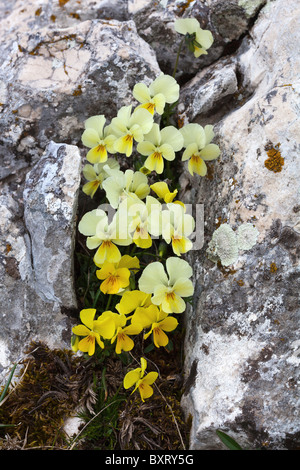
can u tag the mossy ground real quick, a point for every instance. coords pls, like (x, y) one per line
(57, 383)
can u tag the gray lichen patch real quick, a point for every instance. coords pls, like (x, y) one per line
(246, 236)
(225, 244)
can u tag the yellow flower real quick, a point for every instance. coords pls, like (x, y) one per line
(197, 39)
(177, 226)
(129, 127)
(164, 89)
(131, 300)
(124, 342)
(140, 381)
(98, 139)
(145, 221)
(161, 189)
(92, 330)
(130, 185)
(168, 290)
(104, 235)
(159, 145)
(198, 148)
(116, 276)
(158, 321)
(95, 175)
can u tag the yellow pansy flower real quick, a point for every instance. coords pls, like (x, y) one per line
(130, 185)
(129, 127)
(131, 300)
(158, 321)
(198, 147)
(161, 189)
(92, 330)
(198, 40)
(124, 342)
(177, 226)
(104, 236)
(95, 175)
(164, 89)
(140, 381)
(115, 276)
(168, 289)
(159, 145)
(98, 139)
(145, 220)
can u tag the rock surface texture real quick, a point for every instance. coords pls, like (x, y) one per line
(63, 61)
(37, 246)
(242, 342)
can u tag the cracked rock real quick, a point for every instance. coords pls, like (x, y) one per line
(243, 332)
(36, 259)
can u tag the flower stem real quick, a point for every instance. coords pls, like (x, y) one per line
(108, 302)
(177, 58)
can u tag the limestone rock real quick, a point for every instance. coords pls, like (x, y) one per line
(36, 260)
(53, 78)
(242, 341)
(227, 20)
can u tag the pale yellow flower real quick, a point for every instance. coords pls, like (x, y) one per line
(130, 126)
(164, 89)
(198, 40)
(168, 289)
(129, 185)
(198, 147)
(104, 235)
(98, 139)
(95, 175)
(177, 226)
(145, 221)
(159, 145)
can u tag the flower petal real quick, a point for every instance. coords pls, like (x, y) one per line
(173, 137)
(87, 317)
(197, 165)
(152, 276)
(96, 123)
(178, 268)
(90, 138)
(141, 93)
(210, 152)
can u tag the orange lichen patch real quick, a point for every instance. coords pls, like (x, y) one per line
(38, 11)
(273, 268)
(74, 15)
(274, 161)
(180, 121)
(182, 8)
(78, 91)
(220, 221)
(53, 18)
(62, 2)
(240, 282)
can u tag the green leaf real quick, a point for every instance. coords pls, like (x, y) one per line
(228, 441)
(8, 383)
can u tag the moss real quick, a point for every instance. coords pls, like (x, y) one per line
(275, 161)
(53, 383)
